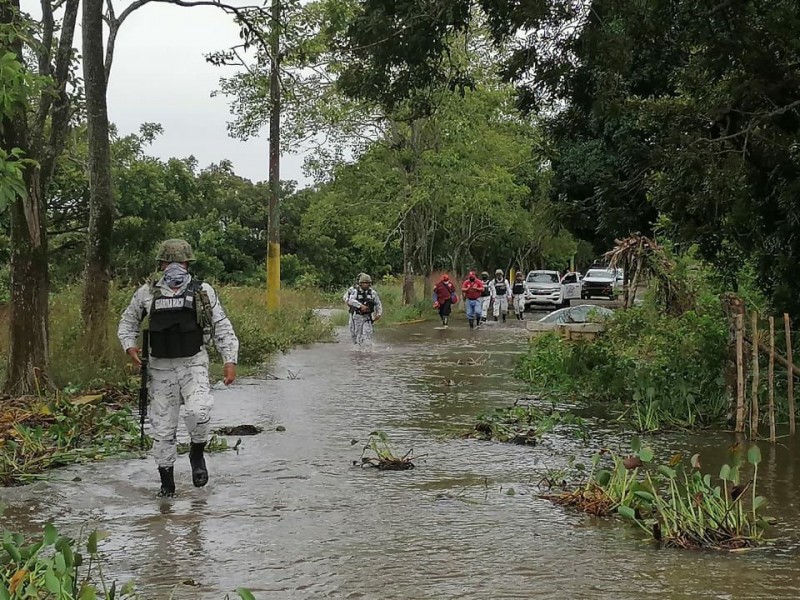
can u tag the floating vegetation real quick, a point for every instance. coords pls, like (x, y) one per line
(522, 424)
(41, 433)
(239, 430)
(676, 505)
(378, 453)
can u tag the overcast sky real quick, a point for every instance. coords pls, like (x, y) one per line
(160, 75)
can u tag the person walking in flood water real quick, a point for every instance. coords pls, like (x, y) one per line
(351, 290)
(501, 291)
(365, 309)
(181, 315)
(472, 288)
(518, 296)
(444, 296)
(487, 295)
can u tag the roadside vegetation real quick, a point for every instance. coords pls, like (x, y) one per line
(653, 368)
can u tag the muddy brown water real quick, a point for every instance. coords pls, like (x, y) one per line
(288, 516)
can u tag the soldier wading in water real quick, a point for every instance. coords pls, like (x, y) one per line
(365, 309)
(182, 315)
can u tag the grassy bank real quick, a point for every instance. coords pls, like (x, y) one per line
(90, 412)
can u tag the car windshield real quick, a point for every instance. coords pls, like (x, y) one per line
(600, 274)
(542, 278)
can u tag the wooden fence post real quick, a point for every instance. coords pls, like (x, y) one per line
(739, 373)
(754, 416)
(771, 378)
(790, 375)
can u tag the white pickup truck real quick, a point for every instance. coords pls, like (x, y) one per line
(548, 288)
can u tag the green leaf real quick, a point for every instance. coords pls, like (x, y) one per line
(626, 512)
(725, 473)
(50, 534)
(51, 582)
(88, 592)
(12, 551)
(645, 495)
(646, 454)
(667, 471)
(636, 443)
(603, 477)
(695, 461)
(4, 595)
(754, 455)
(245, 594)
(60, 562)
(91, 545)
(758, 502)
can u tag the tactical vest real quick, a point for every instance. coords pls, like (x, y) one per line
(367, 298)
(175, 330)
(486, 291)
(500, 287)
(518, 288)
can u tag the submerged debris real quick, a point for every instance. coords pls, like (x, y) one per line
(521, 424)
(239, 430)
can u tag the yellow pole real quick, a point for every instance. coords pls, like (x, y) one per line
(273, 227)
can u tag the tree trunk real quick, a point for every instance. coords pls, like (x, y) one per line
(28, 353)
(408, 264)
(97, 269)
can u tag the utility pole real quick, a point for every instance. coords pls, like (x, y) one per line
(273, 228)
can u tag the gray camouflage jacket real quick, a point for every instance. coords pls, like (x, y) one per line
(225, 339)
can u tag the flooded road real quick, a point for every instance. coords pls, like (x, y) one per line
(289, 516)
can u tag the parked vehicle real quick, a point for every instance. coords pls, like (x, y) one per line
(547, 288)
(583, 313)
(601, 282)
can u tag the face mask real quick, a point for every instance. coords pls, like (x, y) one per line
(472, 278)
(175, 275)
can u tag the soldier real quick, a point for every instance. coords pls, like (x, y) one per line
(365, 309)
(518, 295)
(487, 295)
(182, 315)
(502, 294)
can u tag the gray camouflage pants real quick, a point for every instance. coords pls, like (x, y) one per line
(361, 329)
(169, 388)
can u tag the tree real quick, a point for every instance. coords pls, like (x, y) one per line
(37, 127)
(97, 277)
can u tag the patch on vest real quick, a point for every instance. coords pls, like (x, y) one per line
(169, 303)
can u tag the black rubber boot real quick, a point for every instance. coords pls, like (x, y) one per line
(167, 475)
(199, 471)
(471, 324)
(496, 319)
(504, 317)
(446, 321)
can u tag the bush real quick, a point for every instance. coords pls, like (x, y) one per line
(664, 370)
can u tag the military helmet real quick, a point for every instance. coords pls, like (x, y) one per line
(175, 250)
(364, 278)
(498, 272)
(485, 275)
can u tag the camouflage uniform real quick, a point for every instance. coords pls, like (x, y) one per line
(176, 381)
(361, 329)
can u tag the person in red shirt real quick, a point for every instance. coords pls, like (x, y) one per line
(473, 290)
(444, 295)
